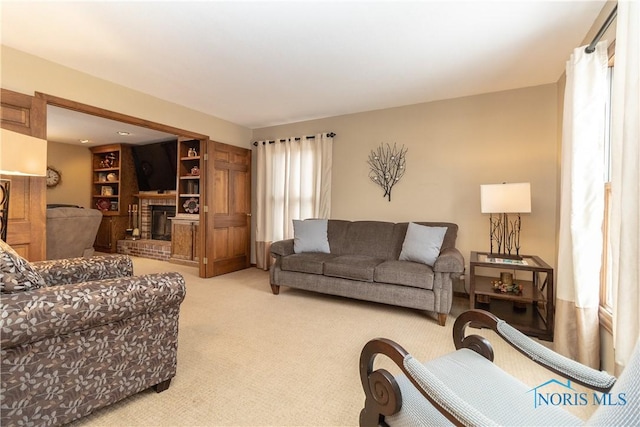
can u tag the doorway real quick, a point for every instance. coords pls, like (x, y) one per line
(204, 216)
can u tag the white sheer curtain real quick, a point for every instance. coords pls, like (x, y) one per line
(581, 207)
(625, 183)
(293, 182)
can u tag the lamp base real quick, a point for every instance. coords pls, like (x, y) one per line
(505, 256)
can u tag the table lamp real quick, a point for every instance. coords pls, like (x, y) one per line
(500, 200)
(21, 155)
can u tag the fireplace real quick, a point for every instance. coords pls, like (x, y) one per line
(160, 203)
(160, 223)
(152, 218)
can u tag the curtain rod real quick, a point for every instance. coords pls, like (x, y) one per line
(329, 134)
(592, 47)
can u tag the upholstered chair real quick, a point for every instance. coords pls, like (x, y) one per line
(465, 387)
(79, 334)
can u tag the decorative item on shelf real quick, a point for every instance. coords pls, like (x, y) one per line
(112, 177)
(106, 190)
(504, 199)
(191, 205)
(192, 187)
(387, 165)
(192, 152)
(108, 160)
(103, 204)
(114, 206)
(195, 171)
(503, 288)
(102, 177)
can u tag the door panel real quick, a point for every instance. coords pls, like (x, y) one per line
(27, 204)
(221, 201)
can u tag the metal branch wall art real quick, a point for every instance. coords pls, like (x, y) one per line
(387, 166)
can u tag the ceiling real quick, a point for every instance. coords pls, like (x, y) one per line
(71, 127)
(265, 63)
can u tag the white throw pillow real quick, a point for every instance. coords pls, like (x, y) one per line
(310, 235)
(422, 243)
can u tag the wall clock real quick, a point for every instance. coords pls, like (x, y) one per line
(53, 177)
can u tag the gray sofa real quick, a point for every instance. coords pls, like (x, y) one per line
(363, 263)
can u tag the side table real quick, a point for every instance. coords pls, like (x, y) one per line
(537, 297)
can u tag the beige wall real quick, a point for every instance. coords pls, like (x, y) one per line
(454, 146)
(74, 164)
(27, 74)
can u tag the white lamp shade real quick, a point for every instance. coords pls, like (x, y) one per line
(505, 198)
(22, 154)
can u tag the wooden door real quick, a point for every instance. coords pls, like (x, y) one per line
(228, 198)
(27, 204)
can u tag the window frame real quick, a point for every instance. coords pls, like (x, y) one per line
(606, 294)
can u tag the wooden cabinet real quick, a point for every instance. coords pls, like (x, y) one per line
(112, 228)
(113, 186)
(185, 248)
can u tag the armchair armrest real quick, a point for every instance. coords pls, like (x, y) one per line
(282, 248)
(383, 396)
(570, 369)
(77, 270)
(450, 260)
(57, 310)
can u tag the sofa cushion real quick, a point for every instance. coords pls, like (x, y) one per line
(312, 262)
(422, 244)
(405, 273)
(16, 274)
(371, 238)
(310, 235)
(355, 267)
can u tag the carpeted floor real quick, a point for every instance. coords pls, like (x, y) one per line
(249, 358)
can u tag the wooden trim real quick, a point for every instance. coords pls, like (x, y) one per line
(23, 114)
(606, 319)
(605, 246)
(112, 115)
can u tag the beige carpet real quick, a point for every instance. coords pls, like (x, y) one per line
(250, 358)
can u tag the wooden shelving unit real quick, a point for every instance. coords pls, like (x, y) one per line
(188, 185)
(184, 227)
(113, 186)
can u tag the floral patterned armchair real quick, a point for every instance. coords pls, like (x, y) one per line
(80, 334)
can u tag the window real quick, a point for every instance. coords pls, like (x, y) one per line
(606, 291)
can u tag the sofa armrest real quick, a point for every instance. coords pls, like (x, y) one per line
(78, 270)
(282, 248)
(57, 310)
(450, 260)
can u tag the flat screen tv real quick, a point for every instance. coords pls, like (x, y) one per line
(156, 165)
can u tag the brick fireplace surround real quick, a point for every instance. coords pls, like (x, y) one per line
(145, 247)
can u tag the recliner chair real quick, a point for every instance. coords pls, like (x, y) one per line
(465, 388)
(71, 231)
